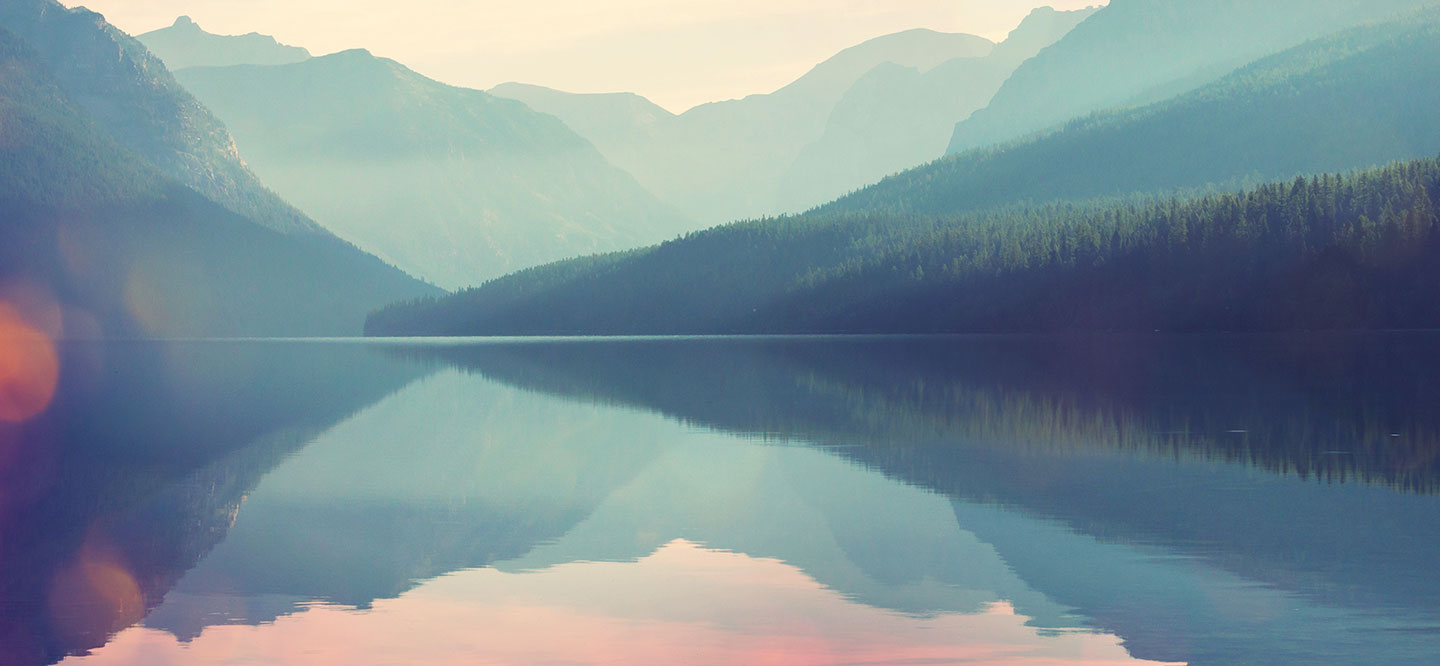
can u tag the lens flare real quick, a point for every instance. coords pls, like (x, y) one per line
(29, 368)
(93, 597)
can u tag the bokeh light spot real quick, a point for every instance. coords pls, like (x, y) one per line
(29, 368)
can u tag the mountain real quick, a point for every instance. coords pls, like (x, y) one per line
(970, 242)
(130, 94)
(1361, 251)
(1354, 99)
(119, 248)
(185, 45)
(1106, 439)
(895, 117)
(1137, 51)
(455, 186)
(620, 125)
(725, 160)
(148, 461)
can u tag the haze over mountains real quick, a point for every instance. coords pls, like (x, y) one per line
(1140, 98)
(1139, 51)
(128, 211)
(1358, 98)
(895, 117)
(964, 244)
(726, 160)
(452, 185)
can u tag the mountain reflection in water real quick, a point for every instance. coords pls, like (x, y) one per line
(1008, 500)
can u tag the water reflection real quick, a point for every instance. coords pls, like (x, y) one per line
(138, 467)
(1211, 501)
(680, 604)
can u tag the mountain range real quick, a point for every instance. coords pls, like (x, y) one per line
(726, 160)
(131, 203)
(452, 185)
(896, 117)
(1048, 233)
(1354, 99)
(1134, 52)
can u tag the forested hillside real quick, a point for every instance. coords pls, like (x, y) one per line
(1358, 251)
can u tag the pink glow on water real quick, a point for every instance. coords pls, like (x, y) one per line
(682, 605)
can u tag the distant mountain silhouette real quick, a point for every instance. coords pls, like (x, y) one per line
(185, 44)
(726, 160)
(897, 117)
(1354, 99)
(1139, 51)
(455, 186)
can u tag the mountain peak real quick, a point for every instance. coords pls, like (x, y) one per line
(355, 54)
(185, 44)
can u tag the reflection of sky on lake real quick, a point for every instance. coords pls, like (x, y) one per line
(683, 604)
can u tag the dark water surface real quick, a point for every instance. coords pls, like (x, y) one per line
(1015, 501)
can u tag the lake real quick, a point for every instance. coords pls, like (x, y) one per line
(951, 500)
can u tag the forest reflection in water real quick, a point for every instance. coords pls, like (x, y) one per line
(1202, 500)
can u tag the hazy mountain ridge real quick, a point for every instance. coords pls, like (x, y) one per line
(1359, 97)
(726, 160)
(453, 185)
(130, 94)
(895, 117)
(905, 256)
(185, 45)
(1140, 51)
(1354, 99)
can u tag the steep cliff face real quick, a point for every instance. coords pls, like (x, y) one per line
(132, 96)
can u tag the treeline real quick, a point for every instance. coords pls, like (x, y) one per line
(1325, 252)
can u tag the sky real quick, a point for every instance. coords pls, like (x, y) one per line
(679, 53)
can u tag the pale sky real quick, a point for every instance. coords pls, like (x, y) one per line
(678, 53)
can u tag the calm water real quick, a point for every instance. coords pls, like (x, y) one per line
(1016, 501)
